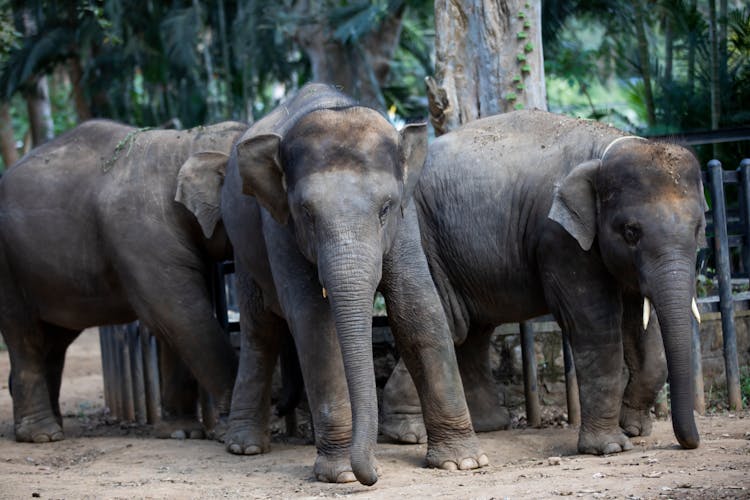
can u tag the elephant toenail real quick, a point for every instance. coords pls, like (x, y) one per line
(611, 448)
(468, 463)
(448, 465)
(346, 477)
(252, 450)
(178, 434)
(483, 460)
(409, 438)
(42, 438)
(235, 448)
(627, 446)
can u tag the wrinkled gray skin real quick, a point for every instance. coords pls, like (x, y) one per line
(521, 216)
(91, 234)
(328, 224)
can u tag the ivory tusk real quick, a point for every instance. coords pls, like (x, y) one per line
(325, 294)
(696, 313)
(646, 312)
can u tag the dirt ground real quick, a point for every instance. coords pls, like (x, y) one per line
(101, 460)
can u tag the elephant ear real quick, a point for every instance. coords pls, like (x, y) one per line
(199, 184)
(262, 175)
(574, 203)
(412, 152)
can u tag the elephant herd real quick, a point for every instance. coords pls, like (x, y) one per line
(321, 204)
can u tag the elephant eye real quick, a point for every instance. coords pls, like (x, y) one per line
(631, 233)
(384, 212)
(307, 213)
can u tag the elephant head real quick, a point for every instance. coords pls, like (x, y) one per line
(340, 178)
(642, 206)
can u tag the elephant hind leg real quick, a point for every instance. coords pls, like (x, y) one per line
(179, 399)
(482, 395)
(37, 357)
(401, 418)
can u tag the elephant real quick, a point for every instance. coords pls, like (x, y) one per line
(316, 202)
(96, 228)
(529, 213)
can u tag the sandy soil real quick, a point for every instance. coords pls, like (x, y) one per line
(107, 460)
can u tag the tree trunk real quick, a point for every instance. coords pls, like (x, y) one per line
(692, 35)
(359, 68)
(83, 110)
(488, 60)
(7, 139)
(40, 111)
(715, 64)
(643, 58)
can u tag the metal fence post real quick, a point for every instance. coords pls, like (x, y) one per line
(721, 249)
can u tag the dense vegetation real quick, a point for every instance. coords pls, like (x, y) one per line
(651, 66)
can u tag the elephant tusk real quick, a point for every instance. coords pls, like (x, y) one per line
(325, 293)
(696, 312)
(646, 312)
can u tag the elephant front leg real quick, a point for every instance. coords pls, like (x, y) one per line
(419, 326)
(262, 331)
(589, 310)
(647, 367)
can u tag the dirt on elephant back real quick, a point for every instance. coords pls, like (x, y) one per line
(101, 459)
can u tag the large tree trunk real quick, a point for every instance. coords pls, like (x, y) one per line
(488, 60)
(644, 61)
(7, 139)
(40, 111)
(83, 110)
(360, 68)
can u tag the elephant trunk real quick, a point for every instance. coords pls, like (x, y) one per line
(672, 300)
(350, 273)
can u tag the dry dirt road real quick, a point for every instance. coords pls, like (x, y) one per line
(109, 461)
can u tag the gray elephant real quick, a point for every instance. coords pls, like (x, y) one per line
(528, 213)
(91, 234)
(329, 222)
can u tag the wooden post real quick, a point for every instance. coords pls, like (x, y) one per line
(530, 380)
(721, 249)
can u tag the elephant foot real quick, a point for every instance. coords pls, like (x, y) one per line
(337, 469)
(457, 455)
(39, 430)
(603, 443)
(487, 412)
(402, 412)
(220, 429)
(635, 422)
(404, 428)
(179, 428)
(241, 439)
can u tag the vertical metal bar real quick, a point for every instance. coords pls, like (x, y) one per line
(151, 376)
(699, 400)
(104, 334)
(154, 378)
(139, 384)
(114, 344)
(530, 384)
(723, 267)
(571, 384)
(127, 375)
